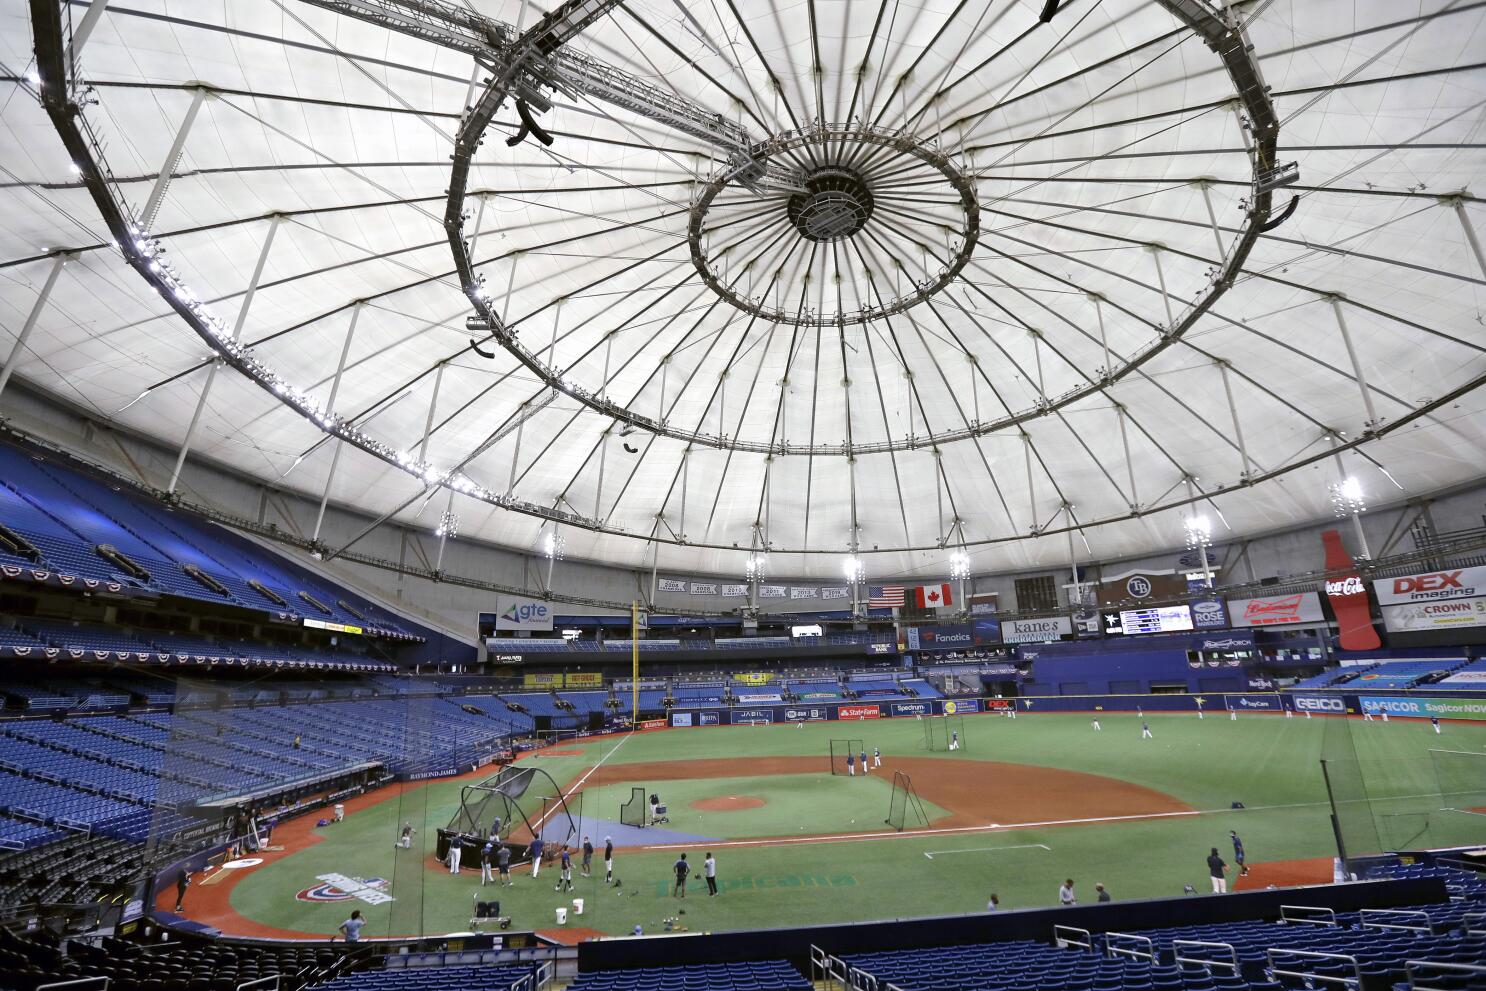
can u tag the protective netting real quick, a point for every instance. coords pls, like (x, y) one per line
(845, 754)
(944, 733)
(904, 808)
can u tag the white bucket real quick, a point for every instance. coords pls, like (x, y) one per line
(577, 906)
(562, 917)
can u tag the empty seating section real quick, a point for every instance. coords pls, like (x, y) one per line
(1472, 675)
(1331, 678)
(495, 977)
(753, 643)
(1403, 674)
(530, 645)
(68, 517)
(18, 835)
(922, 688)
(815, 689)
(698, 694)
(646, 646)
(771, 975)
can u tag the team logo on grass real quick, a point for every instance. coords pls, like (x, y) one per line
(340, 888)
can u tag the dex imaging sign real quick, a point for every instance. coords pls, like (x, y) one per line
(1458, 583)
(523, 614)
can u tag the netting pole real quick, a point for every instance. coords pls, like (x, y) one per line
(1336, 826)
(634, 664)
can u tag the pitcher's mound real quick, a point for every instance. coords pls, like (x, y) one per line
(728, 803)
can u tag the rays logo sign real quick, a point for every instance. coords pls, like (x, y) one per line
(340, 888)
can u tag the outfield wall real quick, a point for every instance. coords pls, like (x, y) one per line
(1456, 705)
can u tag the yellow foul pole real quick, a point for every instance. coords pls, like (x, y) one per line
(634, 662)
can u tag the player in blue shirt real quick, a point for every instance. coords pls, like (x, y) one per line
(565, 879)
(536, 855)
(1238, 854)
(851, 764)
(682, 869)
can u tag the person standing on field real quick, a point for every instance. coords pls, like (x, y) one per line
(182, 882)
(1435, 722)
(565, 875)
(1065, 893)
(876, 756)
(954, 740)
(608, 860)
(1218, 870)
(537, 843)
(709, 871)
(487, 862)
(455, 843)
(1097, 727)
(682, 869)
(587, 856)
(503, 862)
(851, 765)
(863, 760)
(1238, 854)
(1103, 894)
(1145, 731)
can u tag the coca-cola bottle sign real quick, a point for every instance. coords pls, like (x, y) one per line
(1348, 597)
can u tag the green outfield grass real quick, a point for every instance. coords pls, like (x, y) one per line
(1270, 764)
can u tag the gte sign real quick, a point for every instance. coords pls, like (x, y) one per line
(1319, 703)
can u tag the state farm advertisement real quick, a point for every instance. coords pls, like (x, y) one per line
(1418, 617)
(1276, 610)
(1458, 583)
(858, 712)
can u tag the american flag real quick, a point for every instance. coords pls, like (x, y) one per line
(885, 597)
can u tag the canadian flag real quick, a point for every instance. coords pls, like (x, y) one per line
(933, 596)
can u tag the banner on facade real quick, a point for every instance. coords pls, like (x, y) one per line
(1035, 630)
(1299, 608)
(522, 614)
(1420, 617)
(703, 588)
(1456, 583)
(671, 585)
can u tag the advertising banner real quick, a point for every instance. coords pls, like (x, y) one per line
(585, 679)
(998, 705)
(1247, 703)
(910, 708)
(1418, 617)
(858, 711)
(947, 637)
(1277, 610)
(738, 716)
(984, 604)
(652, 724)
(541, 680)
(681, 719)
(1465, 677)
(880, 648)
(1424, 708)
(806, 714)
(1348, 597)
(522, 614)
(1035, 630)
(1224, 641)
(1458, 583)
(1330, 705)
(959, 707)
(709, 719)
(760, 698)
(1209, 614)
(671, 585)
(985, 630)
(754, 678)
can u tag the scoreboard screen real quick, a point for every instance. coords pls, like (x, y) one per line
(1158, 619)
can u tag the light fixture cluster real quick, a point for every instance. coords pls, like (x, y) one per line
(1347, 497)
(855, 570)
(448, 526)
(959, 565)
(1199, 531)
(553, 544)
(756, 568)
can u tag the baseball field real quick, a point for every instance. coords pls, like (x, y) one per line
(1020, 806)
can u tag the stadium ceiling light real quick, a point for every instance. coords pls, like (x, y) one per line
(855, 570)
(1347, 497)
(1199, 530)
(553, 544)
(756, 568)
(959, 565)
(448, 526)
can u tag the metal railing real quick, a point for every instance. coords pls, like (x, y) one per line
(827, 969)
(78, 984)
(1179, 946)
(1072, 937)
(1379, 918)
(1120, 944)
(1416, 982)
(1307, 914)
(270, 983)
(1474, 923)
(1355, 981)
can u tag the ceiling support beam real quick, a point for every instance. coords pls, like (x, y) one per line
(1155, 250)
(1243, 449)
(85, 28)
(1372, 422)
(172, 159)
(433, 406)
(1129, 465)
(1031, 485)
(237, 331)
(335, 387)
(1470, 231)
(1212, 217)
(59, 260)
(516, 454)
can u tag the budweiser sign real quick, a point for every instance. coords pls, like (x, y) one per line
(1277, 610)
(1459, 583)
(1348, 597)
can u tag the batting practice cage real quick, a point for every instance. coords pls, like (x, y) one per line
(521, 801)
(904, 810)
(1381, 803)
(840, 750)
(632, 812)
(939, 731)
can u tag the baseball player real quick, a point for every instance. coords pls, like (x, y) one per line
(537, 843)
(954, 740)
(851, 765)
(1435, 722)
(876, 757)
(1145, 731)
(455, 842)
(1095, 724)
(1238, 854)
(587, 856)
(565, 878)
(503, 864)
(1367, 715)
(608, 860)
(863, 759)
(1233, 715)
(1385, 715)
(487, 861)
